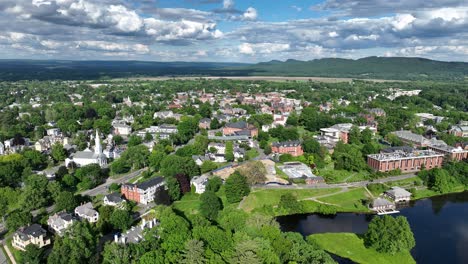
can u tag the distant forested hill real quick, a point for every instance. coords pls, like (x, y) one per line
(12, 70)
(396, 68)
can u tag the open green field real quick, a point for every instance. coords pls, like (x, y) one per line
(189, 203)
(349, 245)
(349, 201)
(424, 193)
(270, 197)
(338, 176)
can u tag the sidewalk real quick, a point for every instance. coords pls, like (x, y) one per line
(10, 255)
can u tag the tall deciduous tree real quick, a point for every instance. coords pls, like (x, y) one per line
(236, 187)
(389, 235)
(210, 205)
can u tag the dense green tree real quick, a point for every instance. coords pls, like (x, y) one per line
(120, 166)
(229, 152)
(134, 140)
(348, 157)
(155, 159)
(173, 164)
(77, 246)
(121, 219)
(65, 201)
(115, 253)
(173, 187)
(311, 145)
(214, 184)
(35, 194)
(136, 156)
(366, 136)
(215, 123)
(289, 203)
(210, 204)
(194, 252)
(17, 219)
(354, 135)
(389, 235)
(236, 187)
(208, 166)
(35, 159)
(32, 255)
(58, 153)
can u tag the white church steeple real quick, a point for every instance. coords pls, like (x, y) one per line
(97, 144)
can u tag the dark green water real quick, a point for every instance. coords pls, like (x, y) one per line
(439, 224)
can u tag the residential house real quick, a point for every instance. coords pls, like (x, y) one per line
(114, 199)
(122, 129)
(142, 192)
(200, 159)
(200, 183)
(60, 222)
(136, 233)
(204, 123)
(86, 211)
(33, 234)
(293, 148)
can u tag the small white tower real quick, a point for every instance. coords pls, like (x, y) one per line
(97, 144)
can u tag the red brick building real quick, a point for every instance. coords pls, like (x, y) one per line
(450, 152)
(142, 192)
(240, 128)
(289, 147)
(405, 161)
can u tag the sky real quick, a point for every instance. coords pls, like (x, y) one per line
(232, 30)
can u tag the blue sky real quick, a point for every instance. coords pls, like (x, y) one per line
(232, 30)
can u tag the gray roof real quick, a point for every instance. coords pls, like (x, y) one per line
(86, 209)
(240, 125)
(114, 197)
(33, 230)
(149, 183)
(381, 202)
(398, 191)
(294, 143)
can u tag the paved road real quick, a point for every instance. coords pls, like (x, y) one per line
(337, 185)
(102, 189)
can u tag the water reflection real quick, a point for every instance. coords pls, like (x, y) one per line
(439, 224)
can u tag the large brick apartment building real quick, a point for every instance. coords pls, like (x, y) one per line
(142, 192)
(288, 147)
(405, 161)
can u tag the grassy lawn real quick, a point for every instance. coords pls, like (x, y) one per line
(424, 193)
(348, 245)
(338, 176)
(252, 153)
(349, 201)
(189, 203)
(270, 197)
(406, 182)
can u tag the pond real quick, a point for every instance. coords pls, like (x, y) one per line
(439, 224)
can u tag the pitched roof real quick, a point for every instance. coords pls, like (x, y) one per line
(240, 125)
(33, 230)
(293, 143)
(114, 198)
(150, 183)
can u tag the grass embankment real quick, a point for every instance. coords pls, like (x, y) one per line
(339, 176)
(190, 202)
(350, 246)
(349, 201)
